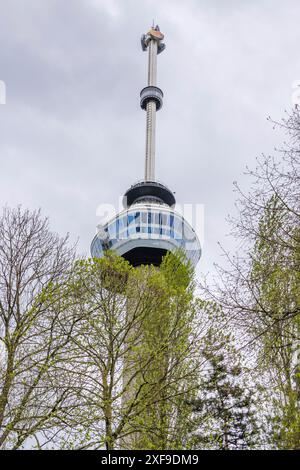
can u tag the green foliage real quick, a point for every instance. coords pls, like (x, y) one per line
(277, 279)
(167, 348)
(224, 409)
(131, 353)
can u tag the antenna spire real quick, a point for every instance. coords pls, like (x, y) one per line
(151, 95)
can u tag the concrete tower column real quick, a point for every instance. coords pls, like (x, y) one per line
(150, 142)
(151, 97)
(152, 62)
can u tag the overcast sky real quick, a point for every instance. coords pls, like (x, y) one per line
(72, 133)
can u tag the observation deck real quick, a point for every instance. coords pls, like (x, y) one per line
(144, 233)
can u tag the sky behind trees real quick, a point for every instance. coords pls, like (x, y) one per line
(72, 133)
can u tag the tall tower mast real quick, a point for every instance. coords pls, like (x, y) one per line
(149, 226)
(151, 96)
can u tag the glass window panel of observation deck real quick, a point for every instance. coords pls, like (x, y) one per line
(97, 249)
(164, 219)
(130, 219)
(131, 230)
(123, 232)
(133, 218)
(189, 233)
(122, 223)
(178, 228)
(112, 229)
(171, 219)
(191, 246)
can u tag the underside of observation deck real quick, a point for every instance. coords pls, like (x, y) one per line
(145, 256)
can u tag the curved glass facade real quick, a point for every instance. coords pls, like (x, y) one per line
(152, 225)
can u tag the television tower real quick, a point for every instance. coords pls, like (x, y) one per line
(149, 226)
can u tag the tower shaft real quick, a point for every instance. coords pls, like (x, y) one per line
(151, 97)
(150, 141)
(151, 114)
(152, 62)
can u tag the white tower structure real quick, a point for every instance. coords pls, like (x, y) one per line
(148, 227)
(151, 96)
